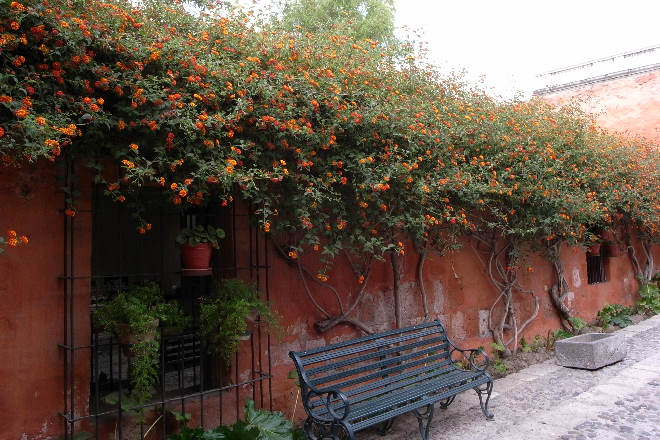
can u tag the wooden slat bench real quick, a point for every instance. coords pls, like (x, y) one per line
(368, 381)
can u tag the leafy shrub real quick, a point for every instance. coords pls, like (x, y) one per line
(497, 348)
(500, 366)
(259, 424)
(224, 315)
(525, 347)
(650, 299)
(134, 316)
(562, 334)
(615, 314)
(577, 323)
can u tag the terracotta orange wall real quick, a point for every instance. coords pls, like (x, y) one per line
(31, 298)
(457, 289)
(31, 316)
(631, 103)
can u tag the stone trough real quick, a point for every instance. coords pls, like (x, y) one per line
(591, 350)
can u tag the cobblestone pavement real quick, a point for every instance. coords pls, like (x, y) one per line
(546, 401)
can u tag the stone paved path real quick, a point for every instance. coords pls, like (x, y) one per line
(546, 401)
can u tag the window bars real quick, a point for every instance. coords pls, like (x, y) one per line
(95, 364)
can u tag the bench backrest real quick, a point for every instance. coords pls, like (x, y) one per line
(371, 365)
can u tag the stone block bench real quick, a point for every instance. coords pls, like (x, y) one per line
(368, 381)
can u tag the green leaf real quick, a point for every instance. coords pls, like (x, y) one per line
(180, 416)
(271, 425)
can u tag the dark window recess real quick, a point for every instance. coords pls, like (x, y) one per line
(187, 373)
(595, 269)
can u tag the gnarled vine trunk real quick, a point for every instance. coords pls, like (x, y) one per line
(395, 260)
(420, 282)
(330, 320)
(503, 274)
(560, 290)
(643, 272)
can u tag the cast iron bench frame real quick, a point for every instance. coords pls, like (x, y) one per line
(370, 380)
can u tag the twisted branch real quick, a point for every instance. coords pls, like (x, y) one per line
(420, 282)
(559, 291)
(505, 279)
(329, 321)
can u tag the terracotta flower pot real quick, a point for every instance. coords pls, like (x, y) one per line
(196, 257)
(595, 249)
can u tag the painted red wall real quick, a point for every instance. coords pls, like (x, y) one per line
(631, 103)
(31, 294)
(31, 316)
(457, 287)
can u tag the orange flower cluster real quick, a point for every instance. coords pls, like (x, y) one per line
(13, 240)
(326, 133)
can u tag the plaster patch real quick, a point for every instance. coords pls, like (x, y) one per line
(314, 343)
(577, 282)
(627, 285)
(337, 339)
(457, 326)
(280, 352)
(382, 312)
(438, 296)
(483, 324)
(410, 302)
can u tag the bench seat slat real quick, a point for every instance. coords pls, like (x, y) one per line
(375, 389)
(408, 394)
(368, 338)
(402, 360)
(329, 354)
(384, 371)
(373, 355)
(441, 367)
(438, 396)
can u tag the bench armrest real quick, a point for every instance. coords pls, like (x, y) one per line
(470, 357)
(330, 398)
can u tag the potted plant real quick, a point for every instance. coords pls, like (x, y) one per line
(224, 316)
(197, 244)
(134, 316)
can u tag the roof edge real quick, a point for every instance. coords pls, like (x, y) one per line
(597, 79)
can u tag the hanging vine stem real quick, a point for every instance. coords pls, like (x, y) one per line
(505, 279)
(329, 320)
(420, 282)
(643, 273)
(395, 261)
(649, 268)
(560, 290)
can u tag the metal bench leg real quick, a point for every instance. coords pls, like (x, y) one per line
(386, 426)
(445, 403)
(427, 416)
(484, 403)
(323, 431)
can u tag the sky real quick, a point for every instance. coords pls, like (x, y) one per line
(510, 41)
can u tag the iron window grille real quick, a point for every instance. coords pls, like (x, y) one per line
(596, 269)
(184, 366)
